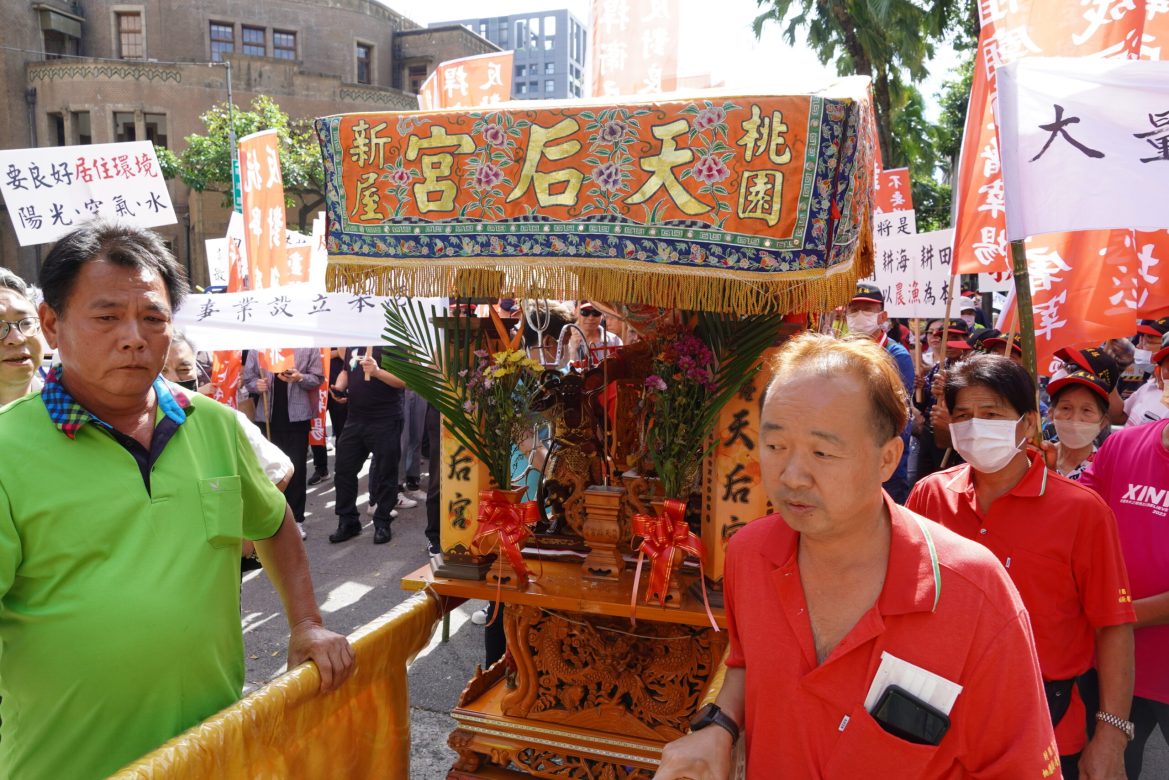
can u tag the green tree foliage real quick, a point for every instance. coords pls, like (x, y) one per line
(892, 41)
(205, 164)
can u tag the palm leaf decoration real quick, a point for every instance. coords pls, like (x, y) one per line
(737, 342)
(436, 368)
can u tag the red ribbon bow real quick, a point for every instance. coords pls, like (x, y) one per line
(660, 536)
(510, 522)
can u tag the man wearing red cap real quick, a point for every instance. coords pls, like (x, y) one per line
(1131, 473)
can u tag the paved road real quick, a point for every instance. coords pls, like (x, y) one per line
(357, 581)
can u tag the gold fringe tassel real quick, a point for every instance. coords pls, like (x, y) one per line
(568, 278)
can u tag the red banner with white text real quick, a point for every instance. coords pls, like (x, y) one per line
(1012, 30)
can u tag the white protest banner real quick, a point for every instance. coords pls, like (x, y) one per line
(283, 318)
(914, 273)
(1082, 139)
(218, 265)
(894, 223)
(997, 282)
(51, 190)
(319, 257)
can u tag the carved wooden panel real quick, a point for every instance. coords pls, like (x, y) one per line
(597, 673)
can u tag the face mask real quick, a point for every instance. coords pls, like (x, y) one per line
(1075, 433)
(886, 326)
(863, 322)
(1142, 357)
(189, 384)
(968, 319)
(987, 445)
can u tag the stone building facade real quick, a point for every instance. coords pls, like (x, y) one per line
(99, 71)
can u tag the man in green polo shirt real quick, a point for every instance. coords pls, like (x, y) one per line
(124, 503)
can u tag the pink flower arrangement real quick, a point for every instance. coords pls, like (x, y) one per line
(613, 131)
(710, 170)
(607, 177)
(399, 177)
(494, 135)
(709, 117)
(487, 176)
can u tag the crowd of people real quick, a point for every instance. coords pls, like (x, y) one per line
(1029, 563)
(942, 522)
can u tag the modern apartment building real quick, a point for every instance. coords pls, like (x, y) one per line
(549, 51)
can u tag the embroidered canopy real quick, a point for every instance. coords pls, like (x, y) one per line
(741, 204)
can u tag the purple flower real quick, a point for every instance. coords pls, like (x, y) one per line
(487, 176)
(399, 177)
(494, 135)
(709, 117)
(710, 170)
(468, 407)
(607, 177)
(482, 354)
(613, 131)
(655, 382)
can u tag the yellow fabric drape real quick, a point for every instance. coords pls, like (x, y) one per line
(287, 730)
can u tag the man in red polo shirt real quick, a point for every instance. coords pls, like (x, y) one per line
(865, 641)
(1058, 542)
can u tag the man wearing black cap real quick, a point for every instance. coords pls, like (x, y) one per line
(1148, 403)
(1148, 341)
(866, 316)
(998, 345)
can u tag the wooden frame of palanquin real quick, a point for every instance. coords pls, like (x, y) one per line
(580, 693)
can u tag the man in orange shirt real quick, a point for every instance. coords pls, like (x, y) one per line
(844, 609)
(1059, 543)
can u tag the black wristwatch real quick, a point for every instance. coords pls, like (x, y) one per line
(712, 714)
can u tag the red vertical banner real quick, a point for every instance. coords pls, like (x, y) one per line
(470, 81)
(263, 209)
(1065, 269)
(276, 360)
(225, 377)
(1011, 30)
(316, 434)
(891, 191)
(633, 47)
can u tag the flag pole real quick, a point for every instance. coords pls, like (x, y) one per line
(1024, 312)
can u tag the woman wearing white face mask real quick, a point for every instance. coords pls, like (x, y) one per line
(1059, 543)
(1079, 411)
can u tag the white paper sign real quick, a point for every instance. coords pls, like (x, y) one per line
(284, 318)
(914, 273)
(1085, 144)
(217, 263)
(894, 223)
(51, 190)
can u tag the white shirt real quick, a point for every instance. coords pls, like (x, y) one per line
(1144, 405)
(272, 459)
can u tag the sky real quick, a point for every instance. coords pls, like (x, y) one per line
(716, 38)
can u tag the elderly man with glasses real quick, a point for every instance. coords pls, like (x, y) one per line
(21, 344)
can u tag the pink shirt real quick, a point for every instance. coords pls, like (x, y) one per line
(1131, 473)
